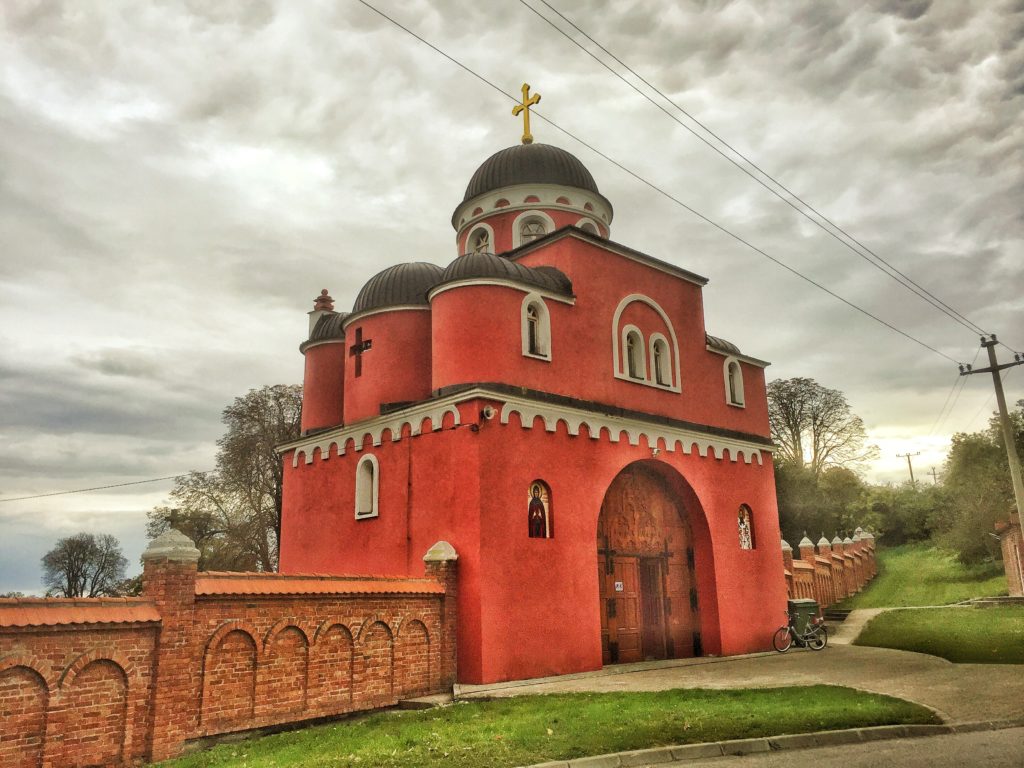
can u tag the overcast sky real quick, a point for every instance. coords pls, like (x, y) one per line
(178, 180)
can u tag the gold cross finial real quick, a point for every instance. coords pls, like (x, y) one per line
(528, 101)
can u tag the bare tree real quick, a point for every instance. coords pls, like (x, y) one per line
(84, 565)
(814, 426)
(233, 514)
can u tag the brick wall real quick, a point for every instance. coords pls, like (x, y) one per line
(828, 573)
(113, 681)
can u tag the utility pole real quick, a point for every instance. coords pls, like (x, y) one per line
(935, 477)
(909, 465)
(1004, 418)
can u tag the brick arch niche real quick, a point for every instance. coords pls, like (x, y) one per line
(229, 680)
(655, 568)
(97, 698)
(23, 703)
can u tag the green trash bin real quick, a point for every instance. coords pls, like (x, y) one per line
(801, 612)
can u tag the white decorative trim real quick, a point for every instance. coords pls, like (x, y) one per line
(548, 295)
(532, 213)
(374, 490)
(339, 437)
(741, 402)
(741, 357)
(490, 237)
(543, 327)
(672, 438)
(308, 345)
(463, 217)
(381, 310)
(658, 435)
(617, 343)
(586, 220)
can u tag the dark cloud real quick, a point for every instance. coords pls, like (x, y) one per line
(178, 180)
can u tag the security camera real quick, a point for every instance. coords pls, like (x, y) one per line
(488, 412)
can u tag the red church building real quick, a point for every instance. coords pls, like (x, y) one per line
(550, 403)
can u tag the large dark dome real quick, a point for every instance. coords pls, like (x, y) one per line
(402, 284)
(530, 164)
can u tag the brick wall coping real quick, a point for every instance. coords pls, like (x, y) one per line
(800, 565)
(53, 611)
(224, 583)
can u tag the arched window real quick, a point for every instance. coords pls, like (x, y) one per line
(733, 382)
(745, 522)
(634, 347)
(530, 225)
(531, 229)
(661, 361)
(479, 241)
(540, 523)
(536, 325)
(367, 484)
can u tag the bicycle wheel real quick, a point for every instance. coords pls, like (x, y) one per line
(818, 640)
(782, 640)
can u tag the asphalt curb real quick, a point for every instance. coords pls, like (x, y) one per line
(685, 752)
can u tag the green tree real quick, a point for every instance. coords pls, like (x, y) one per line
(813, 426)
(233, 514)
(978, 488)
(84, 565)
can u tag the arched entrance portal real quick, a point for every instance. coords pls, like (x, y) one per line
(646, 571)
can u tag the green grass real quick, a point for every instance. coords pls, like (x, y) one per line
(921, 574)
(532, 729)
(962, 635)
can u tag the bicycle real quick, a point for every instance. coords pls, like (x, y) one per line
(815, 635)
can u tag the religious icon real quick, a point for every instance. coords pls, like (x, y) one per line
(538, 512)
(746, 528)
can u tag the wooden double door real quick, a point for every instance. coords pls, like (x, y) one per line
(646, 572)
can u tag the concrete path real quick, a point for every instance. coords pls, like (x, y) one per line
(992, 749)
(959, 693)
(848, 631)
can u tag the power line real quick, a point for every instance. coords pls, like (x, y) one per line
(658, 189)
(832, 229)
(105, 487)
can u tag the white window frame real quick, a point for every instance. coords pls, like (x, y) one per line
(641, 350)
(362, 490)
(517, 224)
(619, 367)
(543, 327)
(587, 221)
(472, 232)
(666, 367)
(739, 402)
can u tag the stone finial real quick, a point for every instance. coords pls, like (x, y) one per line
(442, 551)
(856, 537)
(867, 535)
(786, 547)
(323, 302)
(858, 531)
(823, 542)
(847, 540)
(172, 545)
(837, 540)
(805, 542)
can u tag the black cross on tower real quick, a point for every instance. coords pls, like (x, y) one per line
(357, 350)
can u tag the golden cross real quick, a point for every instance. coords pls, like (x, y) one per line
(528, 101)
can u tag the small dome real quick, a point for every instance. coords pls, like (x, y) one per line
(837, 540)
(330, 327)
(868, 535)
(402, 284)
(823, 542)
(488, 265)
(530, 164)
(805, 542)
(786, 547)
(847, 540)
(722, 344)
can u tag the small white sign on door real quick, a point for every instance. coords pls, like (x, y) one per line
(619, 587)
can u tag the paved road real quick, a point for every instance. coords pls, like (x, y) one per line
(959, 693)
(991, 749)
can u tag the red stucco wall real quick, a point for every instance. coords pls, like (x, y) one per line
(324, 392)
